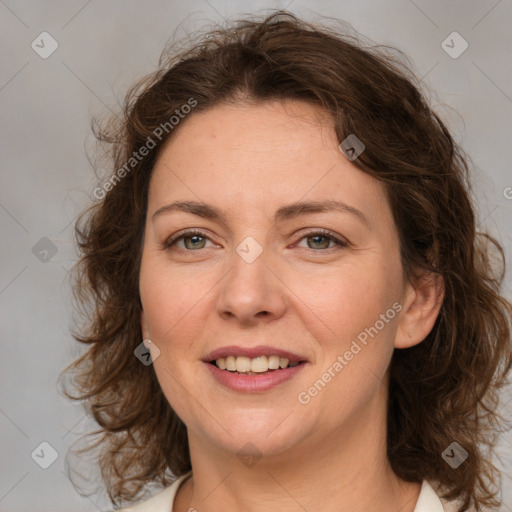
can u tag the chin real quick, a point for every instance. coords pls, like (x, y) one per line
(258, 434)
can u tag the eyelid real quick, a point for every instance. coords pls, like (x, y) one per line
(337, 239)
(168, 242)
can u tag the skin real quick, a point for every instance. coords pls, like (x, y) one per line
(328, 454)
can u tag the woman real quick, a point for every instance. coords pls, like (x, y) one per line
(288, 237)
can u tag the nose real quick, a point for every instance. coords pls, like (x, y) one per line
(251, 293)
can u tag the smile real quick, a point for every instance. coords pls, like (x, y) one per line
(254, 366)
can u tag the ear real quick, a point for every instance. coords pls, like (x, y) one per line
(421, 304)
(144, 326)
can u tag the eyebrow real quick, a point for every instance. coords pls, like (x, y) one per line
(286, 212)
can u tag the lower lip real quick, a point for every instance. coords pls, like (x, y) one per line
(253, 383)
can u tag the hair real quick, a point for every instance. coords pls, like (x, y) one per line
(442, 390)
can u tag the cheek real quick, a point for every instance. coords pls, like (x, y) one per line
(171, 314)
(172, 304)
(354, 326)
(349, 301)
(355, 339)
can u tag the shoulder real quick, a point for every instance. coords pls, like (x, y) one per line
(161, 502)
(430, 500)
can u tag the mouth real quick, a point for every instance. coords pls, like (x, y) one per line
(253, 370)
(261, 360)
(263, 364)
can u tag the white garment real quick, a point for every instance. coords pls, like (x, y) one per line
(428, 501)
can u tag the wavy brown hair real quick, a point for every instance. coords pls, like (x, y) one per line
(442, 390)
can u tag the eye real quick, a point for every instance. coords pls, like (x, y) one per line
(195, 240)
(192, 240)
(322, 239)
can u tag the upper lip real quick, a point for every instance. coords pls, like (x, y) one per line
(252, 352)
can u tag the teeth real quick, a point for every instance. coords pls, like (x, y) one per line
(273, 362)
(230, 364)
(260, 364)
(243, 364)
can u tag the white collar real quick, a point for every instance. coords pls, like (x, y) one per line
(428, 500)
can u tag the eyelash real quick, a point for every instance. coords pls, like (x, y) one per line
(325, 233)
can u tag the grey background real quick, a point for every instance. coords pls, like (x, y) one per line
(46, 179)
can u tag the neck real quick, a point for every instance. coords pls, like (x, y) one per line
(345, 471)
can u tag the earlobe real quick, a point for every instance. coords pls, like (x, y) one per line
(422, 303)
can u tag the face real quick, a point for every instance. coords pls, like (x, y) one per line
(251, 274)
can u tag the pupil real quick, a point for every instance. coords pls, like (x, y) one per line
(319, 237)
(194, 239)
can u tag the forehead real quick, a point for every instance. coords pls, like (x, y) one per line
(241, 132)
(254, 155)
